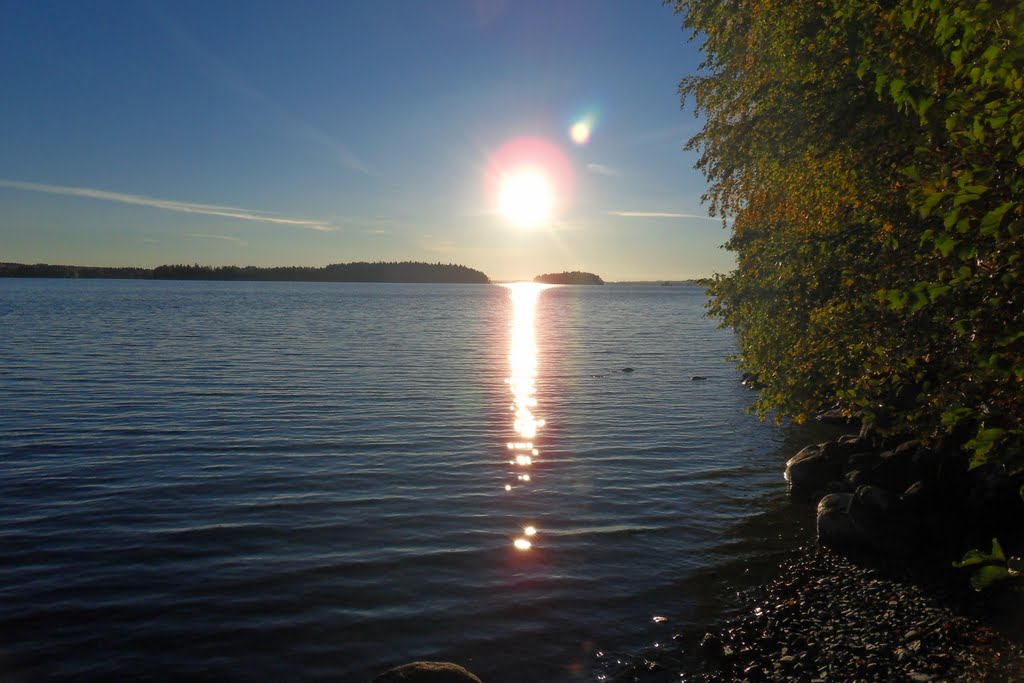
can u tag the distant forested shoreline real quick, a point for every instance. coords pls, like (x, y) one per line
(360, 271)
(575, 277)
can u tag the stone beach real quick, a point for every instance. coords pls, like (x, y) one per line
(829, 618)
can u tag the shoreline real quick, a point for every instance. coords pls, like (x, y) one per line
(826, 611)
(828, 617)
(874, 597)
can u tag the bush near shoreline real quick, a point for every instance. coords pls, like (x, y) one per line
(871, 159)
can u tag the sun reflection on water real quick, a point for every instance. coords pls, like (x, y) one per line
(522, 382)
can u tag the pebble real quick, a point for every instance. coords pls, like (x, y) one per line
(828, 619)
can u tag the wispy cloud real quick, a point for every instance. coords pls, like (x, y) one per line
(601, 169)
(662, 214)
(169, 204)
(228, 238)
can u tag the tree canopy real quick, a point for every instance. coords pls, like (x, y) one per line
(871, 157)
(359, 271)
(576, 277)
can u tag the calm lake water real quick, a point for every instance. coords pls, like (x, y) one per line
(298, 481)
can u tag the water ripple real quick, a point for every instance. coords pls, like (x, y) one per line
(306, 482)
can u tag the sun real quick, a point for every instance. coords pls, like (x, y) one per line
(526, 197)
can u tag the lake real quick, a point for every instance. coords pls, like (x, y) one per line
(305, 481)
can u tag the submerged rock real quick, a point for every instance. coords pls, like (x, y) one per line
(427, 672)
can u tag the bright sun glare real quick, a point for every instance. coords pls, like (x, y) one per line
(526, 197)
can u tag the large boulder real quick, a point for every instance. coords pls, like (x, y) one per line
(427, 672)
(835, 525)
(902, 466)
(871, 508)
(812, 468)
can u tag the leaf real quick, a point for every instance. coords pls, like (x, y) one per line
(880, 81)
(971, 558)
(930, 202)
(923, 105)
(937, 291)
(964, 198)
(990, 223)
(997, 551)
(950, 219)
(950, 418)
(897, 299)
(990, 435)
(945, 244)
(985, 576)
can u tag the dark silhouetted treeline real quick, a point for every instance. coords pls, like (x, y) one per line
(576, 277)
(47, 270)
(405, 271)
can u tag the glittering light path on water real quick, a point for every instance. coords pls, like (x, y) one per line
(522, 382)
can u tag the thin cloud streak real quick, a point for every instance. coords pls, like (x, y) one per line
(601, 169)
(227, 238)
(167, 204)
(662, 214)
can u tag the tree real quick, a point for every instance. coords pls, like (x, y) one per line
(871, 156)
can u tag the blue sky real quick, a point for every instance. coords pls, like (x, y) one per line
(307, 133)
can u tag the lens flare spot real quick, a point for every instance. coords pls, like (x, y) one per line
(530, 531)
(580, 132)
(522, 544)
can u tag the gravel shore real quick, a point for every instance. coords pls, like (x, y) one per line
(828, 618)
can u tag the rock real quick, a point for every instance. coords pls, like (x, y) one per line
(711, 647)
(750, 381)
(627, 369)
(697, 378)
(870, 507)
(993, 500)
(833, 486)
(814, 466)
(835, 416)
(754, 673)
(901, 467)
(427, 672)
(855, 478)
(917, 497)
(835, 525)
(863, 460)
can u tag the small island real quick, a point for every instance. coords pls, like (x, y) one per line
(576, 277)
(403, 271)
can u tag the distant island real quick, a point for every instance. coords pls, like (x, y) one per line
(576, 277)
(360, 271)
